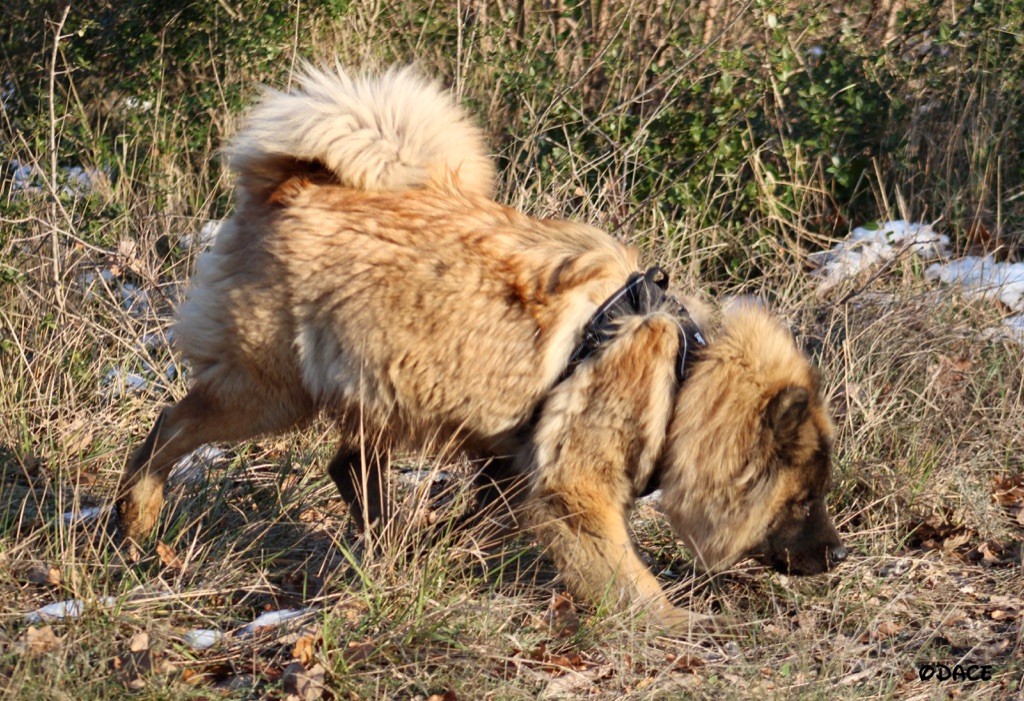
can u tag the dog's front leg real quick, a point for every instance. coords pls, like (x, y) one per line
(596, 441)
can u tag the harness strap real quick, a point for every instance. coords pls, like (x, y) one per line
(642, 294)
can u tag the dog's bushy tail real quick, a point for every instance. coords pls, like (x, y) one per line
(384, 132)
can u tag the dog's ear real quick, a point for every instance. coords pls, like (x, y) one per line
(787, 412)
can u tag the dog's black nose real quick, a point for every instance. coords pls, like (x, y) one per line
(837, 554)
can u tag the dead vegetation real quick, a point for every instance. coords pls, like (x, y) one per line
(928, 489)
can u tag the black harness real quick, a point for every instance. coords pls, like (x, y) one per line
(642, 294)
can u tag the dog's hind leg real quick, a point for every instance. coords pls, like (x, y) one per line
(499, 489)
(203, 416)
(360, 477)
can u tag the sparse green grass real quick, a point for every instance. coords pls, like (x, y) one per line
(714, 156)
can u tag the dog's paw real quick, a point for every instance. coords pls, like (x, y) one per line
(685, 623)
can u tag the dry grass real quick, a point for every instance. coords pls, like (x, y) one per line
(930, 417)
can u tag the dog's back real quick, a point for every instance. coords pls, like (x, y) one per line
(368, 267)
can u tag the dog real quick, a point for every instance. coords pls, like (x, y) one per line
(369, 275)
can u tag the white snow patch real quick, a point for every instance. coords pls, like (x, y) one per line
(192, 468)
(158, 340)
(653, 500)
(202, 638)
(78, 180)
(868, 246)
(119, 382)
(983, 277)
(1014, 328)
(134, 300)
(272, 619)
(204, 238)
(89, 513)
(413, 477)
(21, 175)
(73, 180)
(137, 104)
(72, 608)
(979, 277)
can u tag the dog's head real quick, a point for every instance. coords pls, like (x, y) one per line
(746, 466)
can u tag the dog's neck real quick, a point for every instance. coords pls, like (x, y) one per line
(642, 294)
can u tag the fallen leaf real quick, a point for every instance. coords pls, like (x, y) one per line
(77, 436)
(887, 629)
(992, 553)
(305, 684)
(304, 649)
(133, 666)
(139, 642)
(684, 663)
(884, 630)
(37, 641)
(562, 617)
(1005, 610)
(575, 684)
(209, 674)
(956, 542)
(934, 531)
(41, 574)
(169, 557)
(357, 652)
(949, 373)
(446, 696)
(557, 663)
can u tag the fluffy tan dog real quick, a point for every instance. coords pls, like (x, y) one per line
(368, 274)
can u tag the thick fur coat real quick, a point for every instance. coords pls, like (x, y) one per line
(368, 274)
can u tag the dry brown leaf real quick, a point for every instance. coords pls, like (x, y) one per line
(684, 663)
(934, 531)
(557, 663)
(132, 667)
(305, 647)
(77, 436)
(445, 696)
(575, 684)
(209, 674)
(1004, 611)
(992, 553)
(949, 373)
(957, 541)
(125, 257)
(139, 642)
(352, 611)
(562, 617)
(37, 641)
(304, 684)
(887, 629)
(884, 630)
(169, 557)
(357, 652)
(42, 574)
